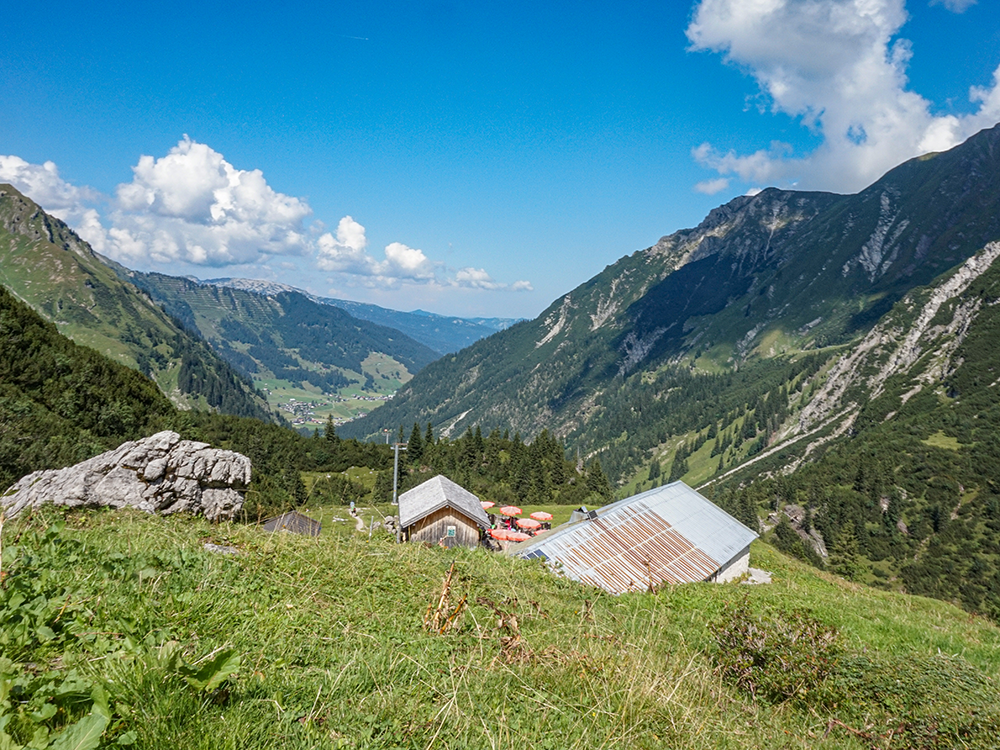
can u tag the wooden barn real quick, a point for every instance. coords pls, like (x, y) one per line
(441, 512)
(295, 522)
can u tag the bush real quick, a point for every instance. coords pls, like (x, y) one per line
(777, 658)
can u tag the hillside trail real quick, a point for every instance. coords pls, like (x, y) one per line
(359, 524)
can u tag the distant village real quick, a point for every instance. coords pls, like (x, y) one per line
(305, 411)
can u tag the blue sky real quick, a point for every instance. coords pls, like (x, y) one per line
(465, 158)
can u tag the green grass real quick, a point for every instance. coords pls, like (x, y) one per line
(333, 653)
(940, 440)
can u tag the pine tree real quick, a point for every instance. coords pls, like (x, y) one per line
(597, 482)
(415, 447)
(845, 559)
(678, 469)
(330, 432)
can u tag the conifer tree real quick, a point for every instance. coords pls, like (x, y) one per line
(415, 447)
(330, 432)
(597, 482)
(845, 559)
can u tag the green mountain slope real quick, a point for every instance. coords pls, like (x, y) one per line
(827, 362)
(762, 277)
(61, 403)
(312, 360)
(46, 265)
(441, 333)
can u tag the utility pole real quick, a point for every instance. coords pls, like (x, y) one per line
(395, 471)
(386, 432)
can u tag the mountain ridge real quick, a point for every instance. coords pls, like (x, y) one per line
(49, 267)
(771, 272)
(444, 334)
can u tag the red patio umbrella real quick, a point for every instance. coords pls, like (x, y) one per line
(528, 523)
(511, 510)
(541, 515)
(498, 533)
(487, 504)
(517, 536)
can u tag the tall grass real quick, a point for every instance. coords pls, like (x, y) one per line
(333, 653)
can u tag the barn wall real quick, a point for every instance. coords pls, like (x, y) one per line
(736, 567)
(434, 529)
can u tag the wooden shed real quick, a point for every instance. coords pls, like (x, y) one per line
(441, 512)
(295, 522)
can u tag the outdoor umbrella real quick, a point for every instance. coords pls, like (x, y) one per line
(487, 504)
(517, 536)
(541, 515)
(528, 523)
(510, 510)
(498, 533)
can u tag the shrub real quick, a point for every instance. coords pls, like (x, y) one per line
(778, 657)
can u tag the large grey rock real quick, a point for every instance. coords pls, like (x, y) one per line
(159, 474)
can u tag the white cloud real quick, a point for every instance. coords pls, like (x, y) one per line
(837, 65)
(403, 262)
(345, 252)
(955, 6)
(711, 187)
(475, 278)
(42, 183)
(193, 206)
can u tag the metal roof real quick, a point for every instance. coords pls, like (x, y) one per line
(436, 493)
(669, 534)
(295, 522)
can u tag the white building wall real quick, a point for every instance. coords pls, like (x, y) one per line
(738, 566)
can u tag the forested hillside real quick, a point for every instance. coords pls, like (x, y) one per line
(444, 334)
(287, 343)
(44, 263)
(765, 276)
(824, 364)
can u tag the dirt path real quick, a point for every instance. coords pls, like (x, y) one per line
(359, 524)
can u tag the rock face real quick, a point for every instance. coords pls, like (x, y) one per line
(159, 474)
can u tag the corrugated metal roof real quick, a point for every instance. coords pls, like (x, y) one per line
(437, 493)
(293, 521)
(669, 534)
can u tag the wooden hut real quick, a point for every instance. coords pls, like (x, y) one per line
(295, 522)
(441, 512)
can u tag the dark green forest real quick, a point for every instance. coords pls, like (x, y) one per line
(500, 468)
(61, 403)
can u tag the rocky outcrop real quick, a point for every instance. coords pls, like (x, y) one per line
(159, 474)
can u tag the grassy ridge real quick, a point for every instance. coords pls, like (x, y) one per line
(331, 650)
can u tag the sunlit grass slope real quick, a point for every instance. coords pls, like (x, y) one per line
(329, 648)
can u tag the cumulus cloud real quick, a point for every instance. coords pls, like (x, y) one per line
(345, 252)
(838, 66)
(42, 183)
(193, 206)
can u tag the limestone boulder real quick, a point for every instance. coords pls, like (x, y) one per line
(159, 474)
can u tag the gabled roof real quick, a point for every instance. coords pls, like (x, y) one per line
(295, 522)
(437, 493)
(669, 534)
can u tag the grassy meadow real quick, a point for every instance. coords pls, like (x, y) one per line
(123, 630)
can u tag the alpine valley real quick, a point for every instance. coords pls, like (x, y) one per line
(831, 359)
